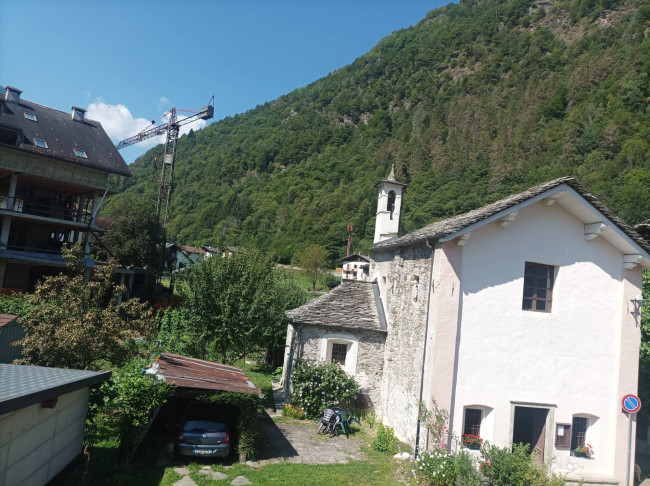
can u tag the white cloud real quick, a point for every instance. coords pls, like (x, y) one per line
(163, 102)
(120, 124)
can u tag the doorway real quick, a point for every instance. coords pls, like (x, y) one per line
(530, 428)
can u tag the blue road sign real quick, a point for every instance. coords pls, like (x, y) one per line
(631, 403)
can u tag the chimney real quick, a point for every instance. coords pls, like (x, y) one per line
(12, 94)
(78, 114)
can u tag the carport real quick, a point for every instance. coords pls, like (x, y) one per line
(223, 387)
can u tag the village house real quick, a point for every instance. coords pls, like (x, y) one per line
(520, 318)
(55, 169)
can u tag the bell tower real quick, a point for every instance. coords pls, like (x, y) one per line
(389, 204)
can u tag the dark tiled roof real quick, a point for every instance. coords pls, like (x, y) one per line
(351, 305)
(62, 135)
(357, 257)
(200, 374)
(449, 226)
(191, 249)
(22, 386)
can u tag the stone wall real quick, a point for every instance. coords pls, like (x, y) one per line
(403, 275)
(367, 348)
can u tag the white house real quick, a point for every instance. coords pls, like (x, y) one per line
(356, 267)
(518, 318)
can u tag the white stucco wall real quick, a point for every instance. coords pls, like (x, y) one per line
(570, 359)
(36, 443)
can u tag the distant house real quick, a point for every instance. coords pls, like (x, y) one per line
(42, 420)
(54, 172)
(186, 256)
(10, 332)
(356, 267)
(520, 318)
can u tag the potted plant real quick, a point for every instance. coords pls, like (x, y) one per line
(584, 451)
(472, 441)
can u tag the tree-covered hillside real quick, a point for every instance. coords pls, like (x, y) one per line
(479, 100)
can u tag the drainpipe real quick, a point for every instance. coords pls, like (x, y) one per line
(424, 352)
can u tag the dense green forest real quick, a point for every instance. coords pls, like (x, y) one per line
(479, 100)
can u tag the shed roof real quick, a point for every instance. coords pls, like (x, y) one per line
(189, 372)
(351, 305)
(6, 319)
(451, 226)
(22, 386)
(62, 135)
(191, 249)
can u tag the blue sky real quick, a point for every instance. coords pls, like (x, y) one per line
(130, 61)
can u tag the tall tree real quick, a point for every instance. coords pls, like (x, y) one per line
(312, 261)
(134, 235)
(235, 305)
(76, 321)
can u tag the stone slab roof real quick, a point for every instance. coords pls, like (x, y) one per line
(449, 226)
(62, 134)
(351, 305)
(22, 386)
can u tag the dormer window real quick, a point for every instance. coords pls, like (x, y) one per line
(40, 143)
(80, 153)
(30, 116)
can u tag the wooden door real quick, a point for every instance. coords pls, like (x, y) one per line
(538, 435)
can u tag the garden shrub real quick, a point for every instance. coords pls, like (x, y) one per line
(318, 385)
(293, 411)
(505, 468)
(465, 467)
(385, 440)
(435, 468)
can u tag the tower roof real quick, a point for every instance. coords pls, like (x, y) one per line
(391, 179)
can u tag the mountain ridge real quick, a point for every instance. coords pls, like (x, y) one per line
(477, 101)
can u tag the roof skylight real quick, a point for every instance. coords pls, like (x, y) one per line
(40, 143)
(30, 116)
(80, 153)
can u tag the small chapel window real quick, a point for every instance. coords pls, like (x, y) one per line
(391, 203)
(339, 352)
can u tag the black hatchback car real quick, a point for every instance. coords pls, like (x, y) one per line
(203, 436)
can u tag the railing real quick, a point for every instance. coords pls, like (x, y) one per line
(63, 211)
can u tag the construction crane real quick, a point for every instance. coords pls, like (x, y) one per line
(171, 127)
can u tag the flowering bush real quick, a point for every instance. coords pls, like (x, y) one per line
(470, 440)
(318, 385)
(435, 468)
(584, 451)
(436, 421)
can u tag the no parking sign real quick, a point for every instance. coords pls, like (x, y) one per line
(631, 403)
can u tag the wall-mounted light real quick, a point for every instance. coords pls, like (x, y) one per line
(637, 302)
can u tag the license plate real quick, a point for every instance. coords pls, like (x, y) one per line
(202, 451)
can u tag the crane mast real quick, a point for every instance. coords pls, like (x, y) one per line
(170, 128)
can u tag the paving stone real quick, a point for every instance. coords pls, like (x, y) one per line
(218, 475)
(186, 481)
(206, 468)
(240, 481)
(183, 471)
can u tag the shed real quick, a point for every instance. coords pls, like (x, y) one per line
(10, 332)
(42, 418)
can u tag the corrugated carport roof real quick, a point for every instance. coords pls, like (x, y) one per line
(195, 373)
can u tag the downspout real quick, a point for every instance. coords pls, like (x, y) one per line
(424, 352)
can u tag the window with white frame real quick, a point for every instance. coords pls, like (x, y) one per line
(341, 349)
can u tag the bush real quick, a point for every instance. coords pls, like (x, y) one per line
(465, 467)
(293, 411)
(385, 440)
(507, 468)
(435, 468)
(316, 386)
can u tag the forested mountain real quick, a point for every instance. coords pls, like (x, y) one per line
(477, 101)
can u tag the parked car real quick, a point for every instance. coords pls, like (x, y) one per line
(203, 436)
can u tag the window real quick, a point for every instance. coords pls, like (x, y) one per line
(339, 352)
(80, 153)
(472, 424)
(579, 431)
(40, 143)
(30, 116)
(390, 206)
(538, 287)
